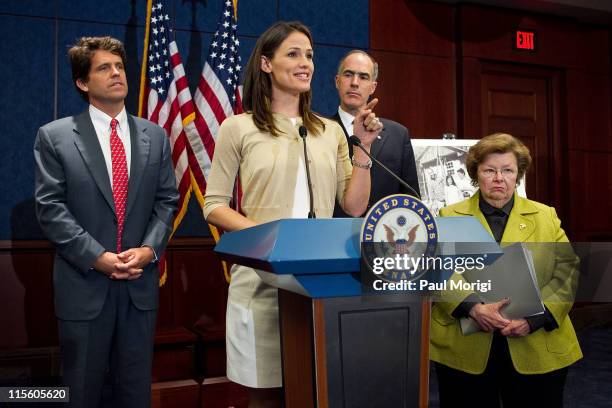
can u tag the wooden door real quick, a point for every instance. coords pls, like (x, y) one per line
(522, 101)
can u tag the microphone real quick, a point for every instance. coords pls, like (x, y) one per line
(354, 140)
(303, 133)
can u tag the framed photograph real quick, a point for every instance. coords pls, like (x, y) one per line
(443, 177)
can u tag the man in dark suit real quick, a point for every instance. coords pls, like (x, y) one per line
(355, 82)
(105, 197)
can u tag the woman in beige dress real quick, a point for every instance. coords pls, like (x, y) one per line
(263, 147)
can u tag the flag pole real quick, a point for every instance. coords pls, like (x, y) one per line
(143, 67)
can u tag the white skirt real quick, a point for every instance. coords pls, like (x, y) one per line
(252, 331)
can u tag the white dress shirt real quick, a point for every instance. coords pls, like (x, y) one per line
(347, 120)
(301, 199)
(101, 122)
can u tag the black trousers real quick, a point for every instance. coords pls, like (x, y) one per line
(118, 344)
(500, 385)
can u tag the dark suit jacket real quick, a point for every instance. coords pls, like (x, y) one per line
(76, 211)
(394, 150)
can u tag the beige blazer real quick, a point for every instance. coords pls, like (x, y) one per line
(268, 165)
(268, 168)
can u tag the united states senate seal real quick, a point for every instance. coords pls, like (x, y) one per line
(398, 227)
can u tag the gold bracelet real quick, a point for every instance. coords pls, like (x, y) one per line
(366, 166)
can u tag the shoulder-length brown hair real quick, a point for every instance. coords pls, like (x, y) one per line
(497, 143)
(257, 92)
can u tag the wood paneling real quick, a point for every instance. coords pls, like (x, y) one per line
(299, 381)
(221, 393)
(210, 357)
(32, 365)
(470, 109)
(511, 104)
(174, 354)
(488, 33)
(590, 184)
(173, 394)
(195, 293)
(414, 44)
(199, 288)
(26, 276)
(431, 58)
(588, 111)
(417, 91)
(414, 27)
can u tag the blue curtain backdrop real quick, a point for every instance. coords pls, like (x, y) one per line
(37, 85)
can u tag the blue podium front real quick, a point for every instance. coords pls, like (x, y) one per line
(339, 348)
(319, 258)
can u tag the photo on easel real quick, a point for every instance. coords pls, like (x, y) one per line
(443, 176)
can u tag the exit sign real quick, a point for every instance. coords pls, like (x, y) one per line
(524, 40)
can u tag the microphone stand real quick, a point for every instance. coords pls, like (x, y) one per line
(354, 140)
(303, 133)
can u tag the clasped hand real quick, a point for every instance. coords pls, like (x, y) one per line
(127, 265)
(489, 318)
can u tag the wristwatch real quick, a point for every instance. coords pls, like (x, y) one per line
(366, 166)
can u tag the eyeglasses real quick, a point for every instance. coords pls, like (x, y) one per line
(506, 173)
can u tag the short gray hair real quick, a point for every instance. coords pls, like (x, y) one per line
(351, 52)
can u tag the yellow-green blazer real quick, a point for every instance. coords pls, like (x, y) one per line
(541, 351)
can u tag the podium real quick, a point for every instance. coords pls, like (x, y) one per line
(339, 348)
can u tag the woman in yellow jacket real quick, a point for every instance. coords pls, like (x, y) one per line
(516, 362)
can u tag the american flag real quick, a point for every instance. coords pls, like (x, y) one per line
(218, 93)
(165, 98)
